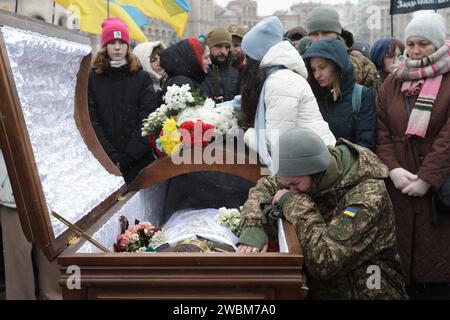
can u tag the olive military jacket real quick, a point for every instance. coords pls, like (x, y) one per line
(345, 225)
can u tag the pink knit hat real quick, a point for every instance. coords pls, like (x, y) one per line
(114, 28)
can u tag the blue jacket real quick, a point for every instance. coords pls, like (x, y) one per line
(360, 128)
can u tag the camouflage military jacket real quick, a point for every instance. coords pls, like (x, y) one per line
(345, 226)
(365, 71)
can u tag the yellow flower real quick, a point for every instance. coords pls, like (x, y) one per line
(171, 139)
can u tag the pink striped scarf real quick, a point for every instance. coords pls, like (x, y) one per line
(421, 113)
(423, 81)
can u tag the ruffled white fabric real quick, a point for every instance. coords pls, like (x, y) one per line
(45, 73)
(144, 206)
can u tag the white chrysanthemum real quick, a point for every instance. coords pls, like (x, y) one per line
(177, 98)
(230, 218)
(222, 119)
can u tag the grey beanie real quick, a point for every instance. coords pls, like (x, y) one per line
(323, 18)
(428, 25)
(263, 36)
(302, 153)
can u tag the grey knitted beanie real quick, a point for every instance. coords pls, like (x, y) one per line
(302, 153)
(323, 18)
(428, 25)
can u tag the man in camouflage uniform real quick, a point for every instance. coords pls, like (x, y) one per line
(323, 23)
(337, 201)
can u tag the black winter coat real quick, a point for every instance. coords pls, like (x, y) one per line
(182, 67)
(360, 128)
(118, 102)
(221, 80)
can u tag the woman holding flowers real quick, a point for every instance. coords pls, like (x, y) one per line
(120, 96)
(413, 110)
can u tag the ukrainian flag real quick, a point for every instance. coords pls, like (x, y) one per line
(175, 7)
(173, 12)
(351, 212)
(92, 13)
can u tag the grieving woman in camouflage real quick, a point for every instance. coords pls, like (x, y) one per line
(337, 201)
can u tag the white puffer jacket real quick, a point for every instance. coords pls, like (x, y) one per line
(290, 102)
(6, 195)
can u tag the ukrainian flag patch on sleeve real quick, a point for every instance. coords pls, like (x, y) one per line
(351, 212)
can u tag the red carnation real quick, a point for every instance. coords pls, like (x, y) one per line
(194, 133)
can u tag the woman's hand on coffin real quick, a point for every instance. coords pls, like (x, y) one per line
(278, 195)
(402, 178)
(417, 188)
(242, 248)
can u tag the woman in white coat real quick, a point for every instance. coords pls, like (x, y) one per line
(276, 95)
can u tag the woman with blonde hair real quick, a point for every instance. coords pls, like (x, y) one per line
(120, 96)
(350, 115)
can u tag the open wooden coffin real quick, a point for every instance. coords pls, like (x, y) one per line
(56, 163)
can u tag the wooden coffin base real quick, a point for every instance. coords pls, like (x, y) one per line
(177, 276)
(174, 276)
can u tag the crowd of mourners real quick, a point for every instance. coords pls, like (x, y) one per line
(364, 140)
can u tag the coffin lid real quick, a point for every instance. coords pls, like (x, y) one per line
(52, 164)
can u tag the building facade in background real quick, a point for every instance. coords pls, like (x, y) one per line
(159, 30)
(298, 13)
(201, 17)
(237, 12)
(41, 10)
(368, 19)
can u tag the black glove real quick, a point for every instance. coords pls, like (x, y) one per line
(122, 159)
(125, 161)
(115, 158)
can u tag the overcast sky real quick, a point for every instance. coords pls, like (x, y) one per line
(267, 7)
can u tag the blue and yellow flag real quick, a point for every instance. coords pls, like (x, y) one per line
(173, 12)
(175, 7)
(91, 14)
(350, 212)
